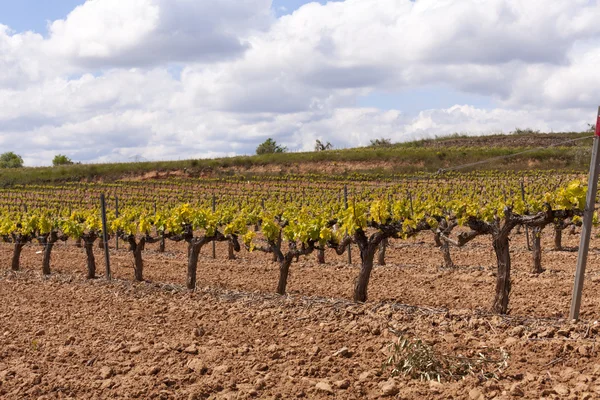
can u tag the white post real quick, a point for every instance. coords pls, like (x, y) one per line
(586, 231)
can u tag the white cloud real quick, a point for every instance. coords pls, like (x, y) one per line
(153, 32)
(100, 86)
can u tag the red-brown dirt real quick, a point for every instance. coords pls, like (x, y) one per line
(65, 337)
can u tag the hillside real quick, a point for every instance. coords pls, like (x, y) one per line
(544, 151)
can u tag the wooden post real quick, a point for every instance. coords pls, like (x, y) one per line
(105, 236)
(526, 227)
(412, 212)
(586, 230)
(346, 205)
(214, 243)
(117, 215)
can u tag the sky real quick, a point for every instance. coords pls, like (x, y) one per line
(114, 80)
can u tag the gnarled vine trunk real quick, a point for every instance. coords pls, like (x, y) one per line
(91, 260)
(48, 245)
(230, 251)
(443, 242)
(284, 271)
(139, 262)
(284, 260)
(137, 247)
(558, 228)
(161, 246)
(321, 256)
(367, 255)
(503, 284)
(192, 268)
(88, 244)
(536, 247)
(195, 246)
(16, 259)
(445, 249)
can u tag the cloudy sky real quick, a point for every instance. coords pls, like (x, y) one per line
(112, 80)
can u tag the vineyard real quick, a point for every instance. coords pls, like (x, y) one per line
(484, 254)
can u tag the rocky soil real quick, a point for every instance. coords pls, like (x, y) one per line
(65, 337)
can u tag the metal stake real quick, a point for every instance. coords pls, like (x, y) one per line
(586, 230)
(105, 236)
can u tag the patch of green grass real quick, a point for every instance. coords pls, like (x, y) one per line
(411, 157)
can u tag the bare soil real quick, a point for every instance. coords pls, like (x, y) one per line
(65, 337)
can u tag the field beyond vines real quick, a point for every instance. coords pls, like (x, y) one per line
(459, 287)
(543, 151)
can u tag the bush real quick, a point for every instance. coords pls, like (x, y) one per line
(320, 146)
(526, 131)
(61, 159)
(381, 142)
(270, 146)
(11, 160)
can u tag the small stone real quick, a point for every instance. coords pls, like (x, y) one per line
(198, 331)
(516, 390)
(191, 349)
(547, 333)
(517, 331)
(435, 386)
(136, 349)
(324, 387)
(563, 332)
(365, 376)
(261, 367)
(343, 352)
(259, 384)
(315, 350)
(389, 388)
(107, 384)
(561, 390)
(342, 384)
(197, 365)
(475, 394)
(41, 332)
(222, 369)
(568, 373)
(106, 372)
(154, 370)
(585, 350)
(581, 387)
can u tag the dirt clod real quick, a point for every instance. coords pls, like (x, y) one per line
(324, 387)
(389, 388)
(106, 372)
(343, 352)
